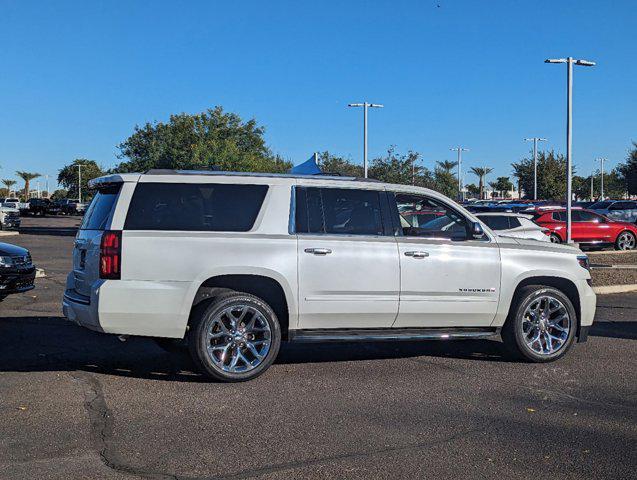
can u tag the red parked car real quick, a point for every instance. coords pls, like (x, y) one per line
(589, 228)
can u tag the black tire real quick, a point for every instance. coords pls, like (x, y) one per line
(202, 320)
(555, 238)
(512, 332)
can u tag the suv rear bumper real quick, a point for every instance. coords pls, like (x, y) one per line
(81, 310)
(131, 307)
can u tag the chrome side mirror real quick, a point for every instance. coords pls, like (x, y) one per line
(477, 232)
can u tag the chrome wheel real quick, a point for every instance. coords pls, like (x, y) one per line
(626, 241)
(238, 339)
(546, 325)
(555, 239)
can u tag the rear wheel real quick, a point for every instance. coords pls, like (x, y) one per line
(541, 325)
(625, 241)
(555, 238)
(235, 338)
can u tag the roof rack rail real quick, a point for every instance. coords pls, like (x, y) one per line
(331, 176)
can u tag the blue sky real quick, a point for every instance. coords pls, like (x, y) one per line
(75, 77)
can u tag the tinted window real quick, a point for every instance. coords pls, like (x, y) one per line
(600, 205)
(495, 222)
(514, 222)
(99, 211)
(424, 217)
(338, 211)
(196, 207)
(559, 216)
(583, 216)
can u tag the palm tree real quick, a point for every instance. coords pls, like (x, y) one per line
(8, 183)
(447, 166)
(494, 189)
(481, 172)
(27, 177)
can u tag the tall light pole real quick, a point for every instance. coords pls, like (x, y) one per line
(569, 132)
(592, 175)
(601, 185)
(535, 140)
(365, 106)
(79, 182)
(460, 149)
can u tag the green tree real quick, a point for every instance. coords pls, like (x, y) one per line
(447, 166)
(59, 194)
(614, 185)
(7, 182)
(212, 139)
(551, 175)
(472, 189)
(502, 185)
(27, 177)
(481, 173)
(628, 171)
(400, 168)
(68, 177)
(445, 182)
(329, 163)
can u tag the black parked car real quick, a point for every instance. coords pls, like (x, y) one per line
(17, 272)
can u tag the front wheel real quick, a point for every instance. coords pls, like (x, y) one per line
(625, 241)
(234, 338)
(555, 238)
(541, 325)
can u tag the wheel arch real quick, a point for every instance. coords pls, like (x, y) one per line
(266, 287)
(564, 285)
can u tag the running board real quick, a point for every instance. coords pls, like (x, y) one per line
(388, 334)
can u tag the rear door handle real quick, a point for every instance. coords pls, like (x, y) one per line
(417, 254)
(318, 251)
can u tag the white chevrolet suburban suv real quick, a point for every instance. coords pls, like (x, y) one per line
(231, 264)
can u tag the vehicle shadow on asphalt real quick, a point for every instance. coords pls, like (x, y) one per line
(37, 344)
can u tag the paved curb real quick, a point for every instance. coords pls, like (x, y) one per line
(606, 289)
(8, 233)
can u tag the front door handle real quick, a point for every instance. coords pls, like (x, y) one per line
(417, 254)
(318, 251)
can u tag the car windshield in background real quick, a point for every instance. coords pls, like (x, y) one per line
(600, 205)
(100, 209)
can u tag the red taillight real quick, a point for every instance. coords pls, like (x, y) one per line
(111, 255)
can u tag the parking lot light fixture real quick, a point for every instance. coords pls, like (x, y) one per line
(459, 149)
(365, 106)
(601, 185)
(535, 140)
(570, 61)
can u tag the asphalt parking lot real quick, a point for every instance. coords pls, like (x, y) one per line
(76, 404)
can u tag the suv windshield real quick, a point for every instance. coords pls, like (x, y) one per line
(600, 205)
(100, 209)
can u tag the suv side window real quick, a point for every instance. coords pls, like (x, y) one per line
(212, 207)
(428, 218)
(343, 211)
(496, 222)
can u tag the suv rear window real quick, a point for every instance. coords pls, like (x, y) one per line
(99, 211)
(211, 207)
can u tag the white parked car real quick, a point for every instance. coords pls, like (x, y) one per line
(515, 225)
(232, 264)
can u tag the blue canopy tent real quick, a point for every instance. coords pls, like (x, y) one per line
(309, 167)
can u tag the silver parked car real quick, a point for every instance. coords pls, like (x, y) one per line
(623, 210)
